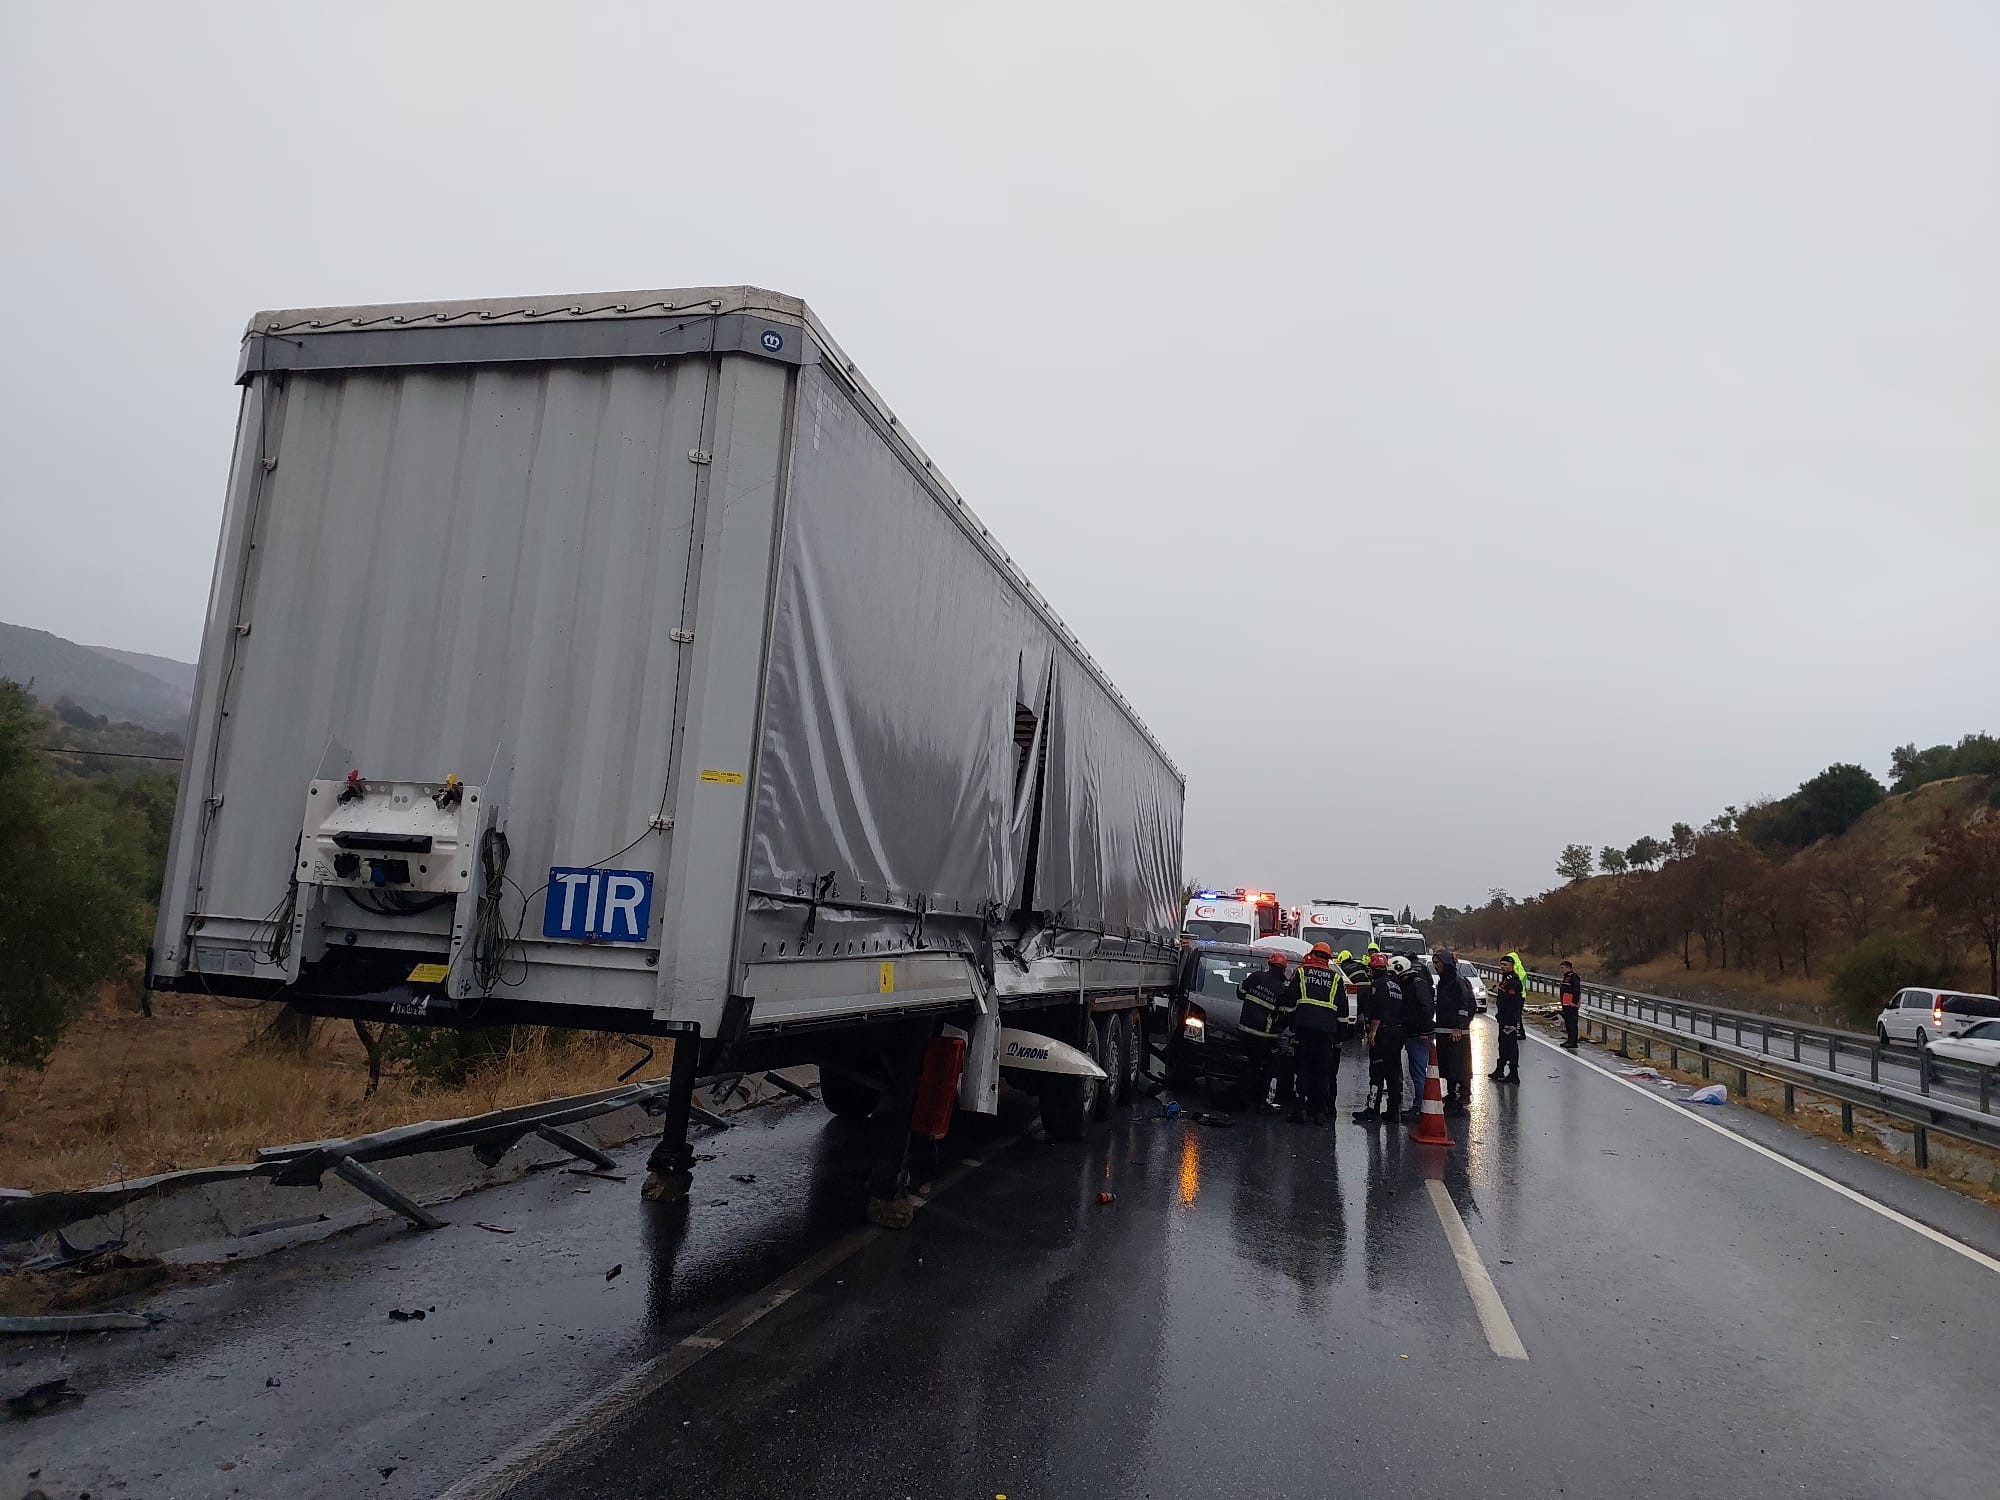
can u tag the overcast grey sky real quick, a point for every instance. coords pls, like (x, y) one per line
(1459, 429)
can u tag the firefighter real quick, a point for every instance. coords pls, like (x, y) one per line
(1319, 1003)
(1382, 1013)
(1455, 1010)
(1267, 1006)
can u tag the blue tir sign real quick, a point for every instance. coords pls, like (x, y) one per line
(605, 906)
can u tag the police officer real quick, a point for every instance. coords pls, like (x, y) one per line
(1510, 1008)
(1419, 1012)
(1319, 1003)
(1455, 1010)
(1382, 1013)
(1267, 1005)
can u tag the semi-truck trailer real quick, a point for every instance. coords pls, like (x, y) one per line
(620, 662)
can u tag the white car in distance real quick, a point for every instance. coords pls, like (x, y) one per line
(1925, 1016)
(1978, 1043)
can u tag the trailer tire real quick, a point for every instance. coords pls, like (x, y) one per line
(1069, 1104)
(848, 1098)
(1107, 1051)
(1133, 1036)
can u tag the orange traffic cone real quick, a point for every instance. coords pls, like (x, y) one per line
(1430, 1129)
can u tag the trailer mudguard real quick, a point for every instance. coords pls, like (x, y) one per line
(1031, 1052)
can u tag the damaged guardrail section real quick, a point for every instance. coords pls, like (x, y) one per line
(489, 1136)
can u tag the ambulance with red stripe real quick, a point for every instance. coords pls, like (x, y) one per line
(1240, 916)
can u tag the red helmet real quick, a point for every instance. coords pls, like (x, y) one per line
(1276, 960)
(1378, 960)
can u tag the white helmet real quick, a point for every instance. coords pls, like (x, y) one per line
(1399, 965)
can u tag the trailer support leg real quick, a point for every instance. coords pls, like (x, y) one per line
(889, 1203)
(670, 1168)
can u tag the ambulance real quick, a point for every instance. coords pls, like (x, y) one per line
(1239, 916)
(1339, 925)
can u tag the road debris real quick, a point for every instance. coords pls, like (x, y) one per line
(742, 1176)
(1715, 1093)
(615, 1272)
(114, 1322)
(1107, 1197)
(47, 1396)
(492, 1228)
(399, 1315)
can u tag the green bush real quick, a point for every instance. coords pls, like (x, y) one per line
(446, 1056)
(1874, 970)
(71, 871)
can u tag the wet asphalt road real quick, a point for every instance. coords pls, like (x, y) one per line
(1265, 1310)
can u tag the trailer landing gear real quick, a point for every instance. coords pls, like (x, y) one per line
(889, 1201)
(670, 1167)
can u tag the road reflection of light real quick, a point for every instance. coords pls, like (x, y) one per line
(1483, 1121)
(1190, 1166)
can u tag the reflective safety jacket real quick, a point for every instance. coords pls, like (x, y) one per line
(1318, 998)
(1513, 961)
(1267, 1003)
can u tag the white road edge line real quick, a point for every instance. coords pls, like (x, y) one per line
(1499, 1328)
(1977, 1257)
(494, 1479)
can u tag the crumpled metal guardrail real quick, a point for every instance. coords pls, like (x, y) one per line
(1680, 1024)
(490, 1136)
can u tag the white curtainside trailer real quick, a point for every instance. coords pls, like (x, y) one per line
(617, 661)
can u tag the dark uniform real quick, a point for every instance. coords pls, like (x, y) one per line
(1455, 1010)
(1419, 1014)
(1510, 1008)
(1319, 1002)
(1572, 1005)
(1382, 1012)
(1267, 1006)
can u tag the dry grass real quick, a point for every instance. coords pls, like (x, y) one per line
(126, 1097)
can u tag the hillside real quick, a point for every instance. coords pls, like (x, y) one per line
(1717, 915)
(151, 691)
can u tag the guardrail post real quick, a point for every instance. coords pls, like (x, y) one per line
(1923, 1071)
(1874, 1062)
(1791, 1099)
(1704, 1067)
(1764, 1042)
(1739, 1030)
(1743, 1082)
(1673, 1057)
(1923, 1142)
(1795, 1044)
(1985, 1088)
(386, 1193)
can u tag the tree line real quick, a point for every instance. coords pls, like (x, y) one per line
(1771, 888)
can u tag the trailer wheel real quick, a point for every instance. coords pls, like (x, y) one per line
(848, 1098)
(1068, 1105)
(1132, 1039)
(1106, 1051)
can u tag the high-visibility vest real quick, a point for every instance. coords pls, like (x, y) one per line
(1318, 986)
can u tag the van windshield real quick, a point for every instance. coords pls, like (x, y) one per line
(1204, 931)
(1220, 976)
(1411, 946)
(1350, 938)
